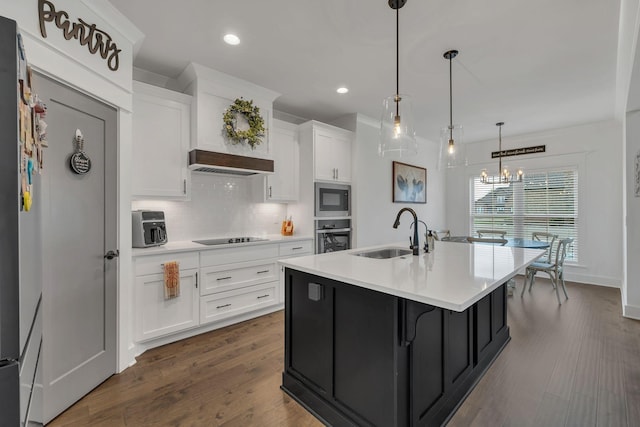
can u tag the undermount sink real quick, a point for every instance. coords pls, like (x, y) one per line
(384, 253)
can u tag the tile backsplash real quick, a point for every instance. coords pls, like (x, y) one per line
(220, 206)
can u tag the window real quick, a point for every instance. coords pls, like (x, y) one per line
(545, 201)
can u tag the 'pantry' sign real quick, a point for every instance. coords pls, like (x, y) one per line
(88, 35)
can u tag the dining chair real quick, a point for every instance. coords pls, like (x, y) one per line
(494, 241)
(441, 234)
(549, 238)
(555, 269)
(491, 233)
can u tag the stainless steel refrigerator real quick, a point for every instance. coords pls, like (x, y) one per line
(20, 251)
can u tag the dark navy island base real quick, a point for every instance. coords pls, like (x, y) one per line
(358, 357)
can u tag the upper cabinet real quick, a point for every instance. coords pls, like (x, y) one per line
(161, 134)
(331, 151)
(282, 185)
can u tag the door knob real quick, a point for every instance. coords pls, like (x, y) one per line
(112, 254)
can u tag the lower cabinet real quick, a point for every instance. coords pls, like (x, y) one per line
(238, 281)
(157, 316)
(354, 356)
(222, 285)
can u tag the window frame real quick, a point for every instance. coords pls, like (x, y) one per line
(516, 219)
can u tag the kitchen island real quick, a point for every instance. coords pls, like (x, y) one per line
(398, 341)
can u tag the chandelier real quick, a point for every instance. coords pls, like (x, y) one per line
(504, 174)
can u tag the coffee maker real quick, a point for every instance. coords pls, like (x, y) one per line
(149, 228)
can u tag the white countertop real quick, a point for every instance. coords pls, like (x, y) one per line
(454, 276)
(188, 245)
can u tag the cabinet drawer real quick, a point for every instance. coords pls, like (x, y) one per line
(228, 277)
(302, 247)
(237, 254)
(153, 264)
(226, 304)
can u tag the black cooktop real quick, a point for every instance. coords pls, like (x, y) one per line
(229, 240)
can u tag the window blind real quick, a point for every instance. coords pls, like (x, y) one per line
(545, 201)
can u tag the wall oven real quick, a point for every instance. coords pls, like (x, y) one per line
(332, 200)
(333, 235)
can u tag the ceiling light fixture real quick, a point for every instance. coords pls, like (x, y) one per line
(397, 135)
(452, 152)
(231, 39)
(504, 175)
(342, 90)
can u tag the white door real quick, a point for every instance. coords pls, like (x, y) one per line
(78, 229)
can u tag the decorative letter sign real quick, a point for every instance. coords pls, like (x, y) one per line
(518, 151)
(87, 34)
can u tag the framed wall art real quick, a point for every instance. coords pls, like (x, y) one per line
(409, 183)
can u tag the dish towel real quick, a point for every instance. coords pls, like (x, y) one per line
(171, 279)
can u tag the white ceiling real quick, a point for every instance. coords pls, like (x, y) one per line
(535, 65)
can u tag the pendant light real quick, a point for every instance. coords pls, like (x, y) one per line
(504, 175)
(397, 135)
(452, 150)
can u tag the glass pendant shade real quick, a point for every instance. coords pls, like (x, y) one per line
(452, 149)
(397, 134)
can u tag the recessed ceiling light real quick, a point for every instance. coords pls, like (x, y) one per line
(342, 90)
(231, 39)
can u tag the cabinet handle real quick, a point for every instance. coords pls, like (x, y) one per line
(337, 173)
(223, 306)
(184, 186)
(262, 271)
(334, 173)
(223, 278)
(270, 191)
(263, 296)
(196, 280)
(296, 248)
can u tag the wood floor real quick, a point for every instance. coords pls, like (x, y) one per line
(572, 365)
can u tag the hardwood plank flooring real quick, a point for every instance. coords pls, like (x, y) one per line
(572, 365)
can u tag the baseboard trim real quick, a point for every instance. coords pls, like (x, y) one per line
(631, 311)
(609, 282)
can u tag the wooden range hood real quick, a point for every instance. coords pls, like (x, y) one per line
(232, 164)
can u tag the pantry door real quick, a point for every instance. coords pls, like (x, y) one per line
(78, 228)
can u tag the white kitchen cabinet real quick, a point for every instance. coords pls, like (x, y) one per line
(331, 151)
(156, 316)
(161, 140)
(282, 185)
(291, 250)
(238, 280)
(218, 287)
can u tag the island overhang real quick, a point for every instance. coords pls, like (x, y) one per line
(454, 276)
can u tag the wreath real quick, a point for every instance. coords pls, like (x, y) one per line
(252, 114)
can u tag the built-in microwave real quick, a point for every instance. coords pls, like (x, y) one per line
(332, 200)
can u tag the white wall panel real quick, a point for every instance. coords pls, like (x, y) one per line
(596, 149)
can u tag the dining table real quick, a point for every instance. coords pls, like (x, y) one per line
(514, 242)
